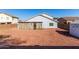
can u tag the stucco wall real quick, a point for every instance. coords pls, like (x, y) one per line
(74, 29)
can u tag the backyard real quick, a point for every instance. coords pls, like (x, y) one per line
(44, 37)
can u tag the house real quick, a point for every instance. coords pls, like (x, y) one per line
(8, 19)
(74, 29)
(65, 21)
(38, 22)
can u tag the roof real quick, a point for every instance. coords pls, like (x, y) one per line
(9, 15)
(70, 18)
(45, 16)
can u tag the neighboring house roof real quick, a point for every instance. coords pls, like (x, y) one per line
(10, 15)
(70, 18)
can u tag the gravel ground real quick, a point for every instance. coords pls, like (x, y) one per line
(44, 37)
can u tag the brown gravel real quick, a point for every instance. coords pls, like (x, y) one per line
(45, 37)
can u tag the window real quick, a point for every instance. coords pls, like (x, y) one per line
(50, 24)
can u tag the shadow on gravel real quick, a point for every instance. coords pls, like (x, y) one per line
(2, 40)
(66, 33)
(4, 36)
(40, 47)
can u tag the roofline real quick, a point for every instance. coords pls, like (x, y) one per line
(10, 15)
(46, 17)
(42, 16)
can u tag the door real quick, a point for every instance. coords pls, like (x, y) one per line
(34, 26)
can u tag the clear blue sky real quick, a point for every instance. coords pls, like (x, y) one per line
(25, 14)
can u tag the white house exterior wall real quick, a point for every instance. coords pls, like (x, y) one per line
(6, 18)
(3, 18)
(74, 29)
(45, 22)
(15, 21)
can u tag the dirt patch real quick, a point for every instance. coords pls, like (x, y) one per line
(44, 37)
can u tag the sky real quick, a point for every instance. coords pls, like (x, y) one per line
(25, 14)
